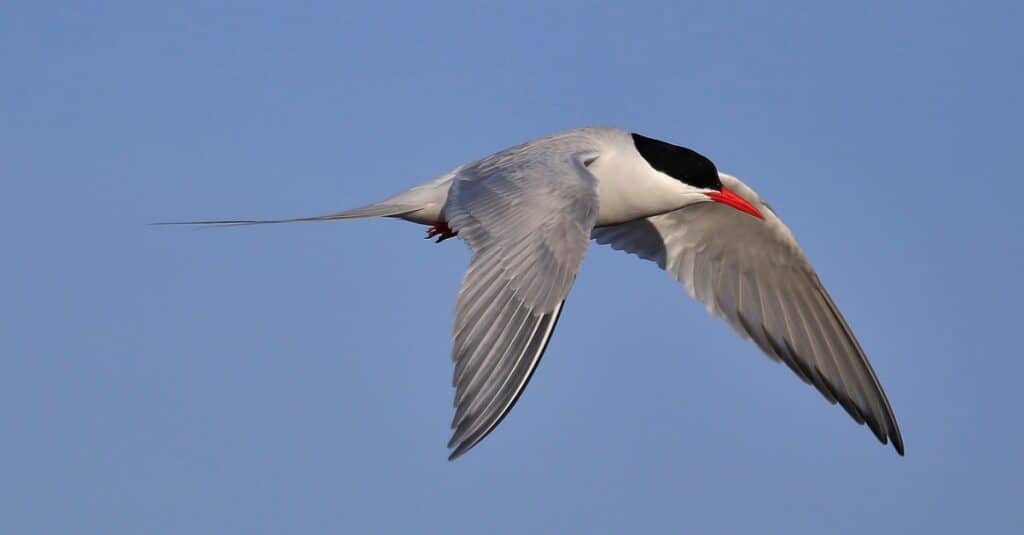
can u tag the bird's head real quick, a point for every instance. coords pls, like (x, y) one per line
(692, 169)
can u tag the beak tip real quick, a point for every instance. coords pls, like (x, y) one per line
(728, 197)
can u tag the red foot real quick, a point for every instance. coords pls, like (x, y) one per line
(440, 230)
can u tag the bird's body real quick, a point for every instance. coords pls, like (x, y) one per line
(627, 188)
(528, 213)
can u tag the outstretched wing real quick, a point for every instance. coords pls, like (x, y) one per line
(527, 214)
(752, 273)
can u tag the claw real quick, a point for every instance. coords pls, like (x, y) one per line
(441, 230)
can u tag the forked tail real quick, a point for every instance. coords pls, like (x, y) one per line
(373, 210)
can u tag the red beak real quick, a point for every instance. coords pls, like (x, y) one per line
(726, 196)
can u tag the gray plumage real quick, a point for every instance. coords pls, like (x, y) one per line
(528, 212)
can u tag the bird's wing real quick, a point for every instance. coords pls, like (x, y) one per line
(753, 274)
(527, 216)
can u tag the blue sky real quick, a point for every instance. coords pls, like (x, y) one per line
(296, 378)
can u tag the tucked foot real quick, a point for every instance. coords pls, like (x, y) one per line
(440, 230)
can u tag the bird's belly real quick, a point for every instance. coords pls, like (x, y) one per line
(428, 215)
(430, 197)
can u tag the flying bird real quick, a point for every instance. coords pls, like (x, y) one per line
(528, 213)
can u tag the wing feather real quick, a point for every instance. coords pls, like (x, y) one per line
(753, 274)
(526, 213)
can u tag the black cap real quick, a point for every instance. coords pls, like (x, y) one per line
(680, 163)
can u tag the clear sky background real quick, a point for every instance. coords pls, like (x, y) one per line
(295, 379)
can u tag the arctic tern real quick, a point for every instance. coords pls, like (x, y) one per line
(528, 213)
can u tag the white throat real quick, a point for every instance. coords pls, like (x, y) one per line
(628, 188)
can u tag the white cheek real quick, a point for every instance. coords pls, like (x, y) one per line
(629, 189)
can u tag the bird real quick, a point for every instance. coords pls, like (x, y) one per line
(528, 213)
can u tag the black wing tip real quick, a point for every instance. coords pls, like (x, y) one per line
(897, 443)
(884, 433)
(892, 436)
(457, 453)
(461, 442)
(462, 446)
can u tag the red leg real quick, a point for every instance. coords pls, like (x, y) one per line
(441, 230)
